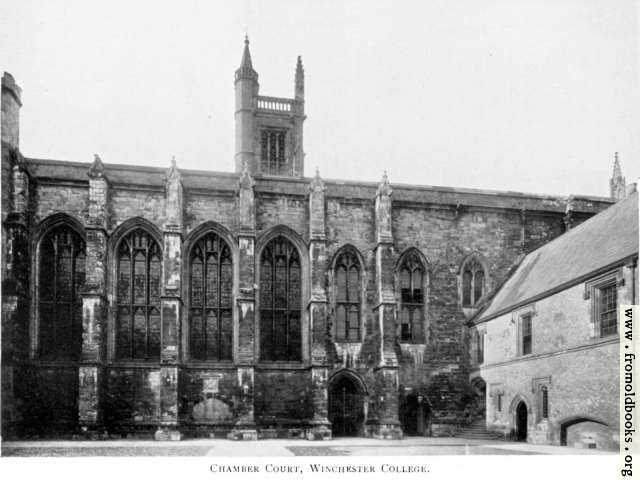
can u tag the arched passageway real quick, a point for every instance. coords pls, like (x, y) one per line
(346, 406)
(415, 415)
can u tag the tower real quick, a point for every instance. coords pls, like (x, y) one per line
(268, 129)
(617, 184)
(246, 86)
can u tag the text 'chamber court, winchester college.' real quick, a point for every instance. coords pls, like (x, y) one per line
(173, 303)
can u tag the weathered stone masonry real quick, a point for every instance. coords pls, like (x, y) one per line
(245, 397)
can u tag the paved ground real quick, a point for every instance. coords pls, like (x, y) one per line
(283, 448)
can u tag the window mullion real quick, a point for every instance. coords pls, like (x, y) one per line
(218, 309)
(132, 281)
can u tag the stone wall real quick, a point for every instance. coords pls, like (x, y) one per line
(444, 229)
(567, 356)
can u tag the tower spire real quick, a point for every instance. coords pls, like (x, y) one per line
(617, 184)
(299, 83)
(246, 66)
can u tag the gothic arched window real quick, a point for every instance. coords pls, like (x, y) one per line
(61, 275)
(473, 283)
(280, 301)
(139, 273)
(211, 299)
(411, 276)
(347, 295)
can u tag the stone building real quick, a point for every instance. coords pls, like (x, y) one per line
(545, 349)
(140, 300)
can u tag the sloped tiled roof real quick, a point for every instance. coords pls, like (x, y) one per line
(603, 240)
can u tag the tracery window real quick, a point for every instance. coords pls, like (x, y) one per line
(280, 301)
(347, 294)
(61, 275)
(473, 283)
(411, 277)
(211, 299)
(273, 151)
(139, 273)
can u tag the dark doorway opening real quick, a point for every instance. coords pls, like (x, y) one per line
(415, 415)
(346, 407)
(521, 422)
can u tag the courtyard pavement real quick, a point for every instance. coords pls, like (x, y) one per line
(283, 448)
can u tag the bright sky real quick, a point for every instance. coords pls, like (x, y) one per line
(525, 95)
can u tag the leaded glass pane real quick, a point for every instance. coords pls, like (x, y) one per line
(226, 283)
(212, 280)
(353, 332)
(61, 276)
(154, 333)
(341, 284)
(608, 310)
(416, 285)
(123, 334)
(124, 279)
(211, 330)
(294, 285)
(196, 282)
(280, 334)
(64, 273)
(140, 333)
(294, 341)
(155, 278)
(139, 287)
(466, 288)
(405, 285)
(280, 301)
(140, 278)
(353, 290)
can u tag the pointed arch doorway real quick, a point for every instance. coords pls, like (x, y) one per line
(346, 405)
(521, 422)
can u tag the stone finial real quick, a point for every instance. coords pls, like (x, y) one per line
(172, 172)
(317, 185)
(246, 180)
(384, 188)
(617, 183)
(299, 81)
(97, 167)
